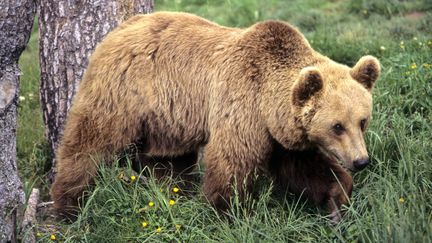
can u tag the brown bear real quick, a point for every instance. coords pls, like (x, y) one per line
(257, 99)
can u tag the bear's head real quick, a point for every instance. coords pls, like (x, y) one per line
(334, 103)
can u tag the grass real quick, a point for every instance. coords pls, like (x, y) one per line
(31, 143)
(392, 200)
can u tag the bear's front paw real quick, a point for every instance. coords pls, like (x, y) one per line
(335, 213)
(338, 196)
(335, 216)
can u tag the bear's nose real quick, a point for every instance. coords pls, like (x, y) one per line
(360, 164)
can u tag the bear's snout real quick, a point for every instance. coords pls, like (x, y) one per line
(360, 164)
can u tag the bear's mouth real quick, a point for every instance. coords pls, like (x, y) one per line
(333, 158)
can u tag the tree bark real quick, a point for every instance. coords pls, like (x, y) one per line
(29, 219)
(69, 32)
(16, 20)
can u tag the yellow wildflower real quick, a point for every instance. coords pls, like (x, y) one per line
(401, 200)
(171, 202)
(177, 226)
(426, 65)
(133, 178)
(429, 43)
(159, 229)
(151, 204)
(175, 190)
(38, 234)
(413, 65)
(144, 224)
(53, 237)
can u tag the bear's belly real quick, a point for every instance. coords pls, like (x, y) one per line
(170, 135)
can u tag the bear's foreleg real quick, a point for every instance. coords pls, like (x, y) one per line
(339, 193)
(231, 159)
(309, 174)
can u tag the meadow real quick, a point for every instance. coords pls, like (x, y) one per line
(392, 198)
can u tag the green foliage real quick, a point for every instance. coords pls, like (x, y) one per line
(391, 200)
(119, 210)
(387, 8)
(32, 149)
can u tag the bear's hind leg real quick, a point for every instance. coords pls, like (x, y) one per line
(73, 176)
(87, 141)
(76, 167)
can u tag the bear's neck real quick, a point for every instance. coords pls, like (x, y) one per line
(286, 122)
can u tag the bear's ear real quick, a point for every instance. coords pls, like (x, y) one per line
(309, 83)
(366, 71)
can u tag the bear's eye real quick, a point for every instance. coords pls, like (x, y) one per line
(363, 124)
(338, 129)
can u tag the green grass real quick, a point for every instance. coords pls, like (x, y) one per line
(31, 143)
(399, 140)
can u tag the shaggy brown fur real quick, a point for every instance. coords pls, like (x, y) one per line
(309, 173)
(176, 82)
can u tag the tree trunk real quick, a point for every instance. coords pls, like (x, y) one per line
(69, 32)
(16, 20)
